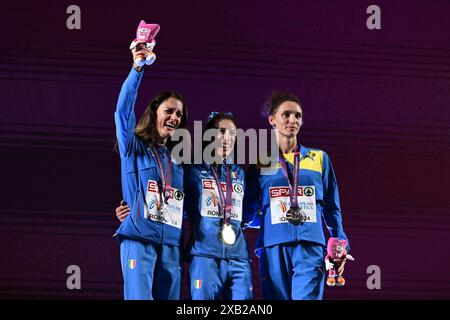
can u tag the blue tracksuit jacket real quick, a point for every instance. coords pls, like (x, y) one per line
(202, 206)
(267, 195)
(140, 178)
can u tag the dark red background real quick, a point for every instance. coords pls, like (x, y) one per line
(376, 101)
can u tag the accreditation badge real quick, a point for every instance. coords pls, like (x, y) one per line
(170, 213)
(280, 204)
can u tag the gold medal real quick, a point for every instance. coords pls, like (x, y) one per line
(228, 235)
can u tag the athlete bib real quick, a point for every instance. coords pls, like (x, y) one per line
(153, 200)
(210, 199)
(280, 203)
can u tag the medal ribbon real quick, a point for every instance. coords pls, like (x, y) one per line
(293, 188)
(165, 181)
(225, 201)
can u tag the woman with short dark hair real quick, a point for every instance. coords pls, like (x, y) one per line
(219, 264)
(291, 201)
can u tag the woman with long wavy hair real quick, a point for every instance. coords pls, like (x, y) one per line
(151, 232)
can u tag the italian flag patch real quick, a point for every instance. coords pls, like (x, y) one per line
(197, 284)
(132, 263)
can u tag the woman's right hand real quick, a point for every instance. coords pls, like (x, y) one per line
(139, 51)
(122, 211)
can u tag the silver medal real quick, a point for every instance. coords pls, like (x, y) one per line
(164, 211)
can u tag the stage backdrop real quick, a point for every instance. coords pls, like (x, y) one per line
(376, 100)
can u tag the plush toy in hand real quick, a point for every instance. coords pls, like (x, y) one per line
(335, 261)
(146, 34)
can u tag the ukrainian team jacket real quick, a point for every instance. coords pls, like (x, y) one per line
(267, 196)
(141, 181)
(202, 206)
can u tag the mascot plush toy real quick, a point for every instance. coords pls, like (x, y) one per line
(146, 34)
(335, 261)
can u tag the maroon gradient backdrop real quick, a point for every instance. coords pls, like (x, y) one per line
(376, 101)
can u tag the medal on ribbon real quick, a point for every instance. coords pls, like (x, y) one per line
(294, 215)
(228, 234)
(166, 185)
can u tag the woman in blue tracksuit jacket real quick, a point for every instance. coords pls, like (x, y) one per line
(292, 252)
(217, 269)
(150, 235)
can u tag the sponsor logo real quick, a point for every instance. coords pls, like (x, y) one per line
(211, 185)
(309, 191)
(152, 186)
(284, 192)
(208, 184)
(238, 188)
(283, 206)
(154, 203)
(178, 195)
(211, 200)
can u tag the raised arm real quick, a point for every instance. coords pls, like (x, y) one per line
(124, 116)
